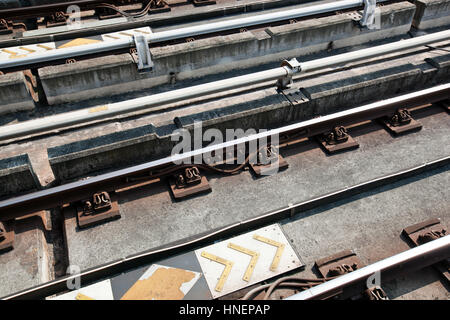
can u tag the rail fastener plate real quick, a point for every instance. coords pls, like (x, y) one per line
(7, 236)
(432, 227)
(413, 126)
(350, 144)
(180, 193)
(346, 261)
(446, 105)
(261, 169)
(88, 220)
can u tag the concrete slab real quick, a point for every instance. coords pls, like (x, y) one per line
(371, 223)
(431, 14)
(27, 264)
(113, 75)
(14, 94)
(16, 175)
(151, 218)
(258, 110)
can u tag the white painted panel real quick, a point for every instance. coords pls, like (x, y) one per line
(213, 270)
(97, 291)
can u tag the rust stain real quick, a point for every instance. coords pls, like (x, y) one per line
(163, 284)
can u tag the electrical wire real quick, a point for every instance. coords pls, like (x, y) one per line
(139, 14)
(308, 283)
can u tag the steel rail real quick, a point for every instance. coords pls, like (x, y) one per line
(52, 197)
(45, 9)
(287, 70)
(407, 261)
(191, 243)
(162, 36)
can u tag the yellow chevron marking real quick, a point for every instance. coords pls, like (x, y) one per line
(226, 272)
(27, 49)
(78, 42)
(253, 261)
(44, 47)
(12, 53)
(81, 296)
(140, 31)
(98, 109)
(110, 36)
(280, 249)
(126, 34)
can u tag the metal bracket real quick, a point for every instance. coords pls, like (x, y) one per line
(427, 231)
(6, 236)
(337, 140)
(338, 264)
(376, 293)
(99, 208)
(58, 18)
(368, 19)
(294, 96)
(5, 27)
(292, 66)
(446, 105)
(188, 182)
(145, 62)
(158, 6)
(401, 122)
(266, 160)
(203, 2)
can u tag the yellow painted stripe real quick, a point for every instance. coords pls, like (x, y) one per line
(98, 109)
(110, 36)
(251, 267)
(79, 42)
(27, 49)
(44, 47)
(141, 31)
(81, 296)
(10, 52)
(226, 272)
(278, 254)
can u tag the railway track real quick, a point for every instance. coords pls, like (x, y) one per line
(283, 75)
(165, 168)
(98, 16)
(348, 183)
(22, 57)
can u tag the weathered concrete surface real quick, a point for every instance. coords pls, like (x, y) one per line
(371, 223)
(163, 20)
(16, 175)
(27, 265)
(141, 136)
(14, 95)
(259, 110)
(113, 75)
(431, 14)
(151, 218)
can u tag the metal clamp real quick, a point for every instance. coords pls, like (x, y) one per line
(292, 66)
(369, 16)
(144, 62)
(2, 232)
